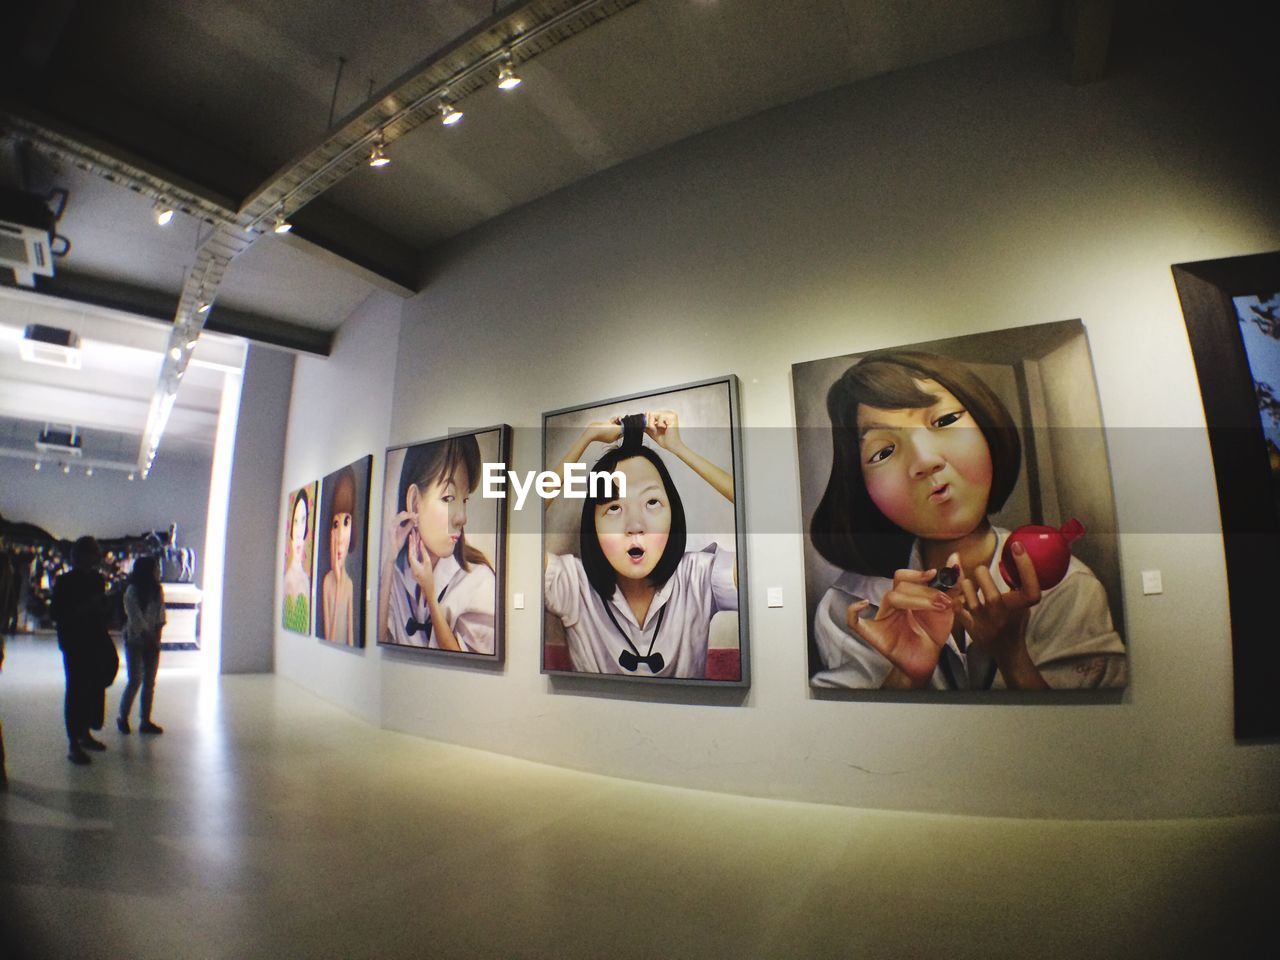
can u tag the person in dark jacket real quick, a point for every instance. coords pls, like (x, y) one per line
(80, 610)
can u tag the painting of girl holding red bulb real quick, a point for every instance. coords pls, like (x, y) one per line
(944, 550)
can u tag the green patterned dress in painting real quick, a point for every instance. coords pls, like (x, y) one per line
(297, 613)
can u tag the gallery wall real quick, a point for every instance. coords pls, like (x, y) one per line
(252, 511)
(973, 195)
(108, 504)
(340, 412)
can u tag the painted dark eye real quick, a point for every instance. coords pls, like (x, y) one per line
(448, 498)
(882, 454)
(613, 509)
(948, 418)
(653, 503)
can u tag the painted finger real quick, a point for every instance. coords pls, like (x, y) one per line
(902, 600)
(986, 585)
(1030, 588)
(970, 594)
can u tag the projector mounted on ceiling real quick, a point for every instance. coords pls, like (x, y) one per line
(59, 443)
(50, 345)
(26, 236)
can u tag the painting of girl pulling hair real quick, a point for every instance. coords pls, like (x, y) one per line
(641, 577)
(299, 538)
(916, 464)
(342, 533)
(440, 583)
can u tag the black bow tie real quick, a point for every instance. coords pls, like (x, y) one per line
(629, 661)
(412, 626)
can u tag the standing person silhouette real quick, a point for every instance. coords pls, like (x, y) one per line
(89, 658)
(144, 622)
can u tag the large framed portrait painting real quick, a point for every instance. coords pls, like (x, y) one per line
(341, 536)
(1232, 311)
(643, 571)
(299, 556)
(441, 574)
(959, 516)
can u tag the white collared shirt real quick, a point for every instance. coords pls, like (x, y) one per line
(467, 598)
(676, 625)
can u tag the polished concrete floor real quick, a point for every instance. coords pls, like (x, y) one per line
(267, 823)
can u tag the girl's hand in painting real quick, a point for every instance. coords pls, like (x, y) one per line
(420, 565)
(997, 622)
(601, 431)
(911, 627)
(663, 427)
(404, 524)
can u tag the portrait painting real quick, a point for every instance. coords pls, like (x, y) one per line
(959, 516)
(1232, 312)
(299, 543)
(341, 537)
(643, 569)
(441, 572)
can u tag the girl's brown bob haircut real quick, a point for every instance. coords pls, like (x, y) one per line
(848, 529)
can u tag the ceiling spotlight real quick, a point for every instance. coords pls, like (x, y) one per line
(203, 306)
(176, 353)
(131, 475)
(191, 344)
(449, 115)
(378, 157)
(508, 79)
(66, 468)
(164, 213)
(38, 464)
(282, 225)
(88, 471)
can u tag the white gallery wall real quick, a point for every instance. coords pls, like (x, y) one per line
(339, 412)
(976, 194)
(253, 511)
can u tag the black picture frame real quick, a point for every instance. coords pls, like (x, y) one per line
(721, 394)
(494, 446)
(1246, 488)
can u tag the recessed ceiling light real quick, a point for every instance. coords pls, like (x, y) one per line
(164, 213)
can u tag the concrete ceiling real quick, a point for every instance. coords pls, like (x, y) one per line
(217, 100)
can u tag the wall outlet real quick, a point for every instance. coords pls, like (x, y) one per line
(775, 596)
(517, 601)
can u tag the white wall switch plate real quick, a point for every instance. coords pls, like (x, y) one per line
(517, 601)
(1152, 582)
(775, 596)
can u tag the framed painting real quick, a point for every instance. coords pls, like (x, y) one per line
(442, 573)
(299, 555)
(1232, 311)
(959, 516)
(643, 538)
(341, 537)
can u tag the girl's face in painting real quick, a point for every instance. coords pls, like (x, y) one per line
(633, 530)
(441, 512)
(298, 532)
(928, 470)
(339, 538)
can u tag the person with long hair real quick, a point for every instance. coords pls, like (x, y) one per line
(337, 596)
(436, 590)
(297, 574)
(923, 453)
(144, 624)
(89, 660)
(633, 601)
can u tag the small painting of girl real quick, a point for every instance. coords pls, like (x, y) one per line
(343, 526)
(641, 578)
(299, 534)
(922, 454)
(439, 585)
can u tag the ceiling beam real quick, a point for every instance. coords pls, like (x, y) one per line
(159, 306)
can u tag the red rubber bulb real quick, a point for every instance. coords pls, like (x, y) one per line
(1049, 549)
